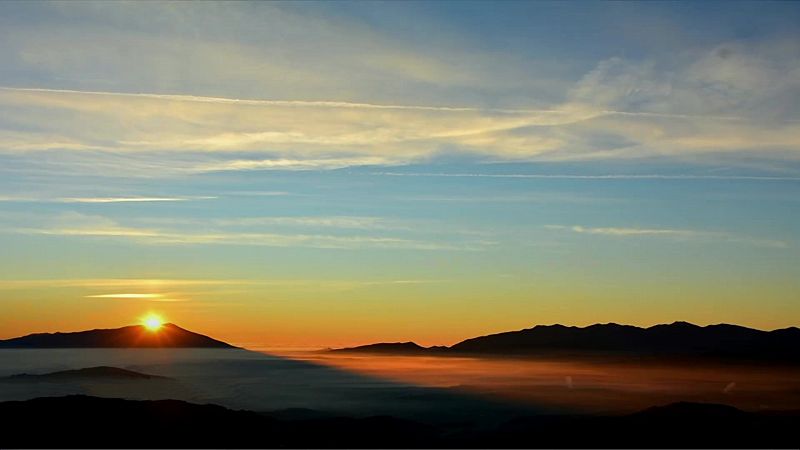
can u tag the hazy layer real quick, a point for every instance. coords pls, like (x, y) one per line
(585, 385)
(240, 379)
(443, 388)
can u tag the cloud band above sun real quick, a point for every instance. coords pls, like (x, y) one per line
(149, 297)
(303, 135)
(125, 296)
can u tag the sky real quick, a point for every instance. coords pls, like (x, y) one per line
(285, 175)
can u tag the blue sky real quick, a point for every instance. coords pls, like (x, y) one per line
(399, 170)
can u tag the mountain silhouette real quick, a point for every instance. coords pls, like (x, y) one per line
(407, 348)
(89, 373)
(679, 339)
(134, 336)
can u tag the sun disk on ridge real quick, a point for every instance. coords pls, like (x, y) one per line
(152, 322)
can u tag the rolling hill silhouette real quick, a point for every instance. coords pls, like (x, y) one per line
(679, 340)
(406, 348)
(134, 336)
(89, 373)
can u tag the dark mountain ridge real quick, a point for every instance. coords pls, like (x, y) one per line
(134, 336)
(679, 340)
(390, 347)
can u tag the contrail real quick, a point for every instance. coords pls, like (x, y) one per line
(356, 105)
(298, 103)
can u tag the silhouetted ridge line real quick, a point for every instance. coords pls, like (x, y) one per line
(92, 373)
(390, 347)
(134, 336)
(678, 339)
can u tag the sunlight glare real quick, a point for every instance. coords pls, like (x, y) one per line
(152, 322)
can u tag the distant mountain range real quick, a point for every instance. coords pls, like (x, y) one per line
(89, 373)
(56, 422)
(406, 348)
(678, 340)
(135, 336)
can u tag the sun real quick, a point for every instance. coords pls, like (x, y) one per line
(152, 322)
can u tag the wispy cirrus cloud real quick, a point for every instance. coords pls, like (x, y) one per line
(294, 164)
(299, 134)
(135, 296)
(139, 296)
(591, 177)
(686, 234)
(131, 199)
(291, 103)
(620, 231)
(234, 238)
(183, 289)
(119, 283)
(344, 222)
(324, 135)
(80, 225)
(320, 101)
(259, 193)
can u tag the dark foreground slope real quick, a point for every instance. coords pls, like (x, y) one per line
(676, 340)
(678, 425)
(90, 422)
(135, 336)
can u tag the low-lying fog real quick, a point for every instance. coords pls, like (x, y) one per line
(594, 386)
(433, 388)
(240, 379)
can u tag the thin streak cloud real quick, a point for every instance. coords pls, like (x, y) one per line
(355, 105)
(131, 199)
(344, 222)
(99, 200)
(294, 164)
(191, 286)
(685, 234)
(146, 297)
(121, 283)
(189, 134)
(297, 103)
(613, 231)
(134, 296)
(79, 225)
(591, 177)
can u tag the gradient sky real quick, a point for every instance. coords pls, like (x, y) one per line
(326, 174)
